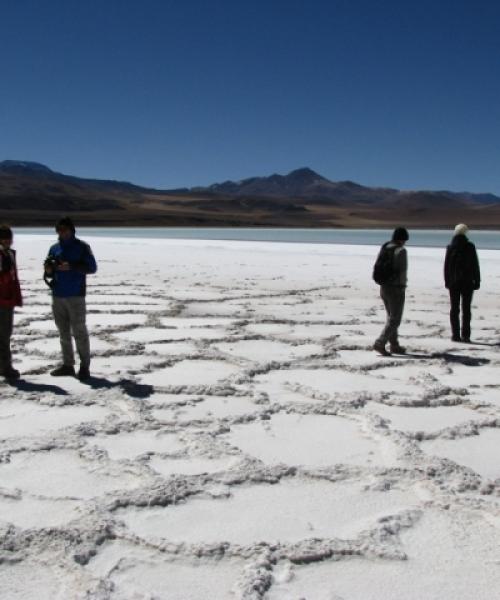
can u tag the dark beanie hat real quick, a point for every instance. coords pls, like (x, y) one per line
(5, 232)
(65, 222)
(400, 234)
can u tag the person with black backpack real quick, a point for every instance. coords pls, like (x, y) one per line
(390, 272)
(461, 277)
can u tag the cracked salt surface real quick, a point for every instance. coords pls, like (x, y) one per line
(30, 580)
(486, 396)
(334, 382)
(212, 407)
(426, 419)
(269, 328)
(125, 309)
(172, 349)
(122, 365)
(153, 578)
(449, 556)
(59, 474)
(218, 309)
(96, 321)
(357, 358)
(151, 334)
(52, 346)
(162, 398)
(190, 373)
(124, 299)
(289, 511)
(485, 375)
(191, 466)
(182, 323)
(481, 453)
(139, 573)
(136, 443)
(24, 419)
(35, 513)
(267, 351)
(311, 441)
(239, 427)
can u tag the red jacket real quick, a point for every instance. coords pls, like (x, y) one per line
(10, 290)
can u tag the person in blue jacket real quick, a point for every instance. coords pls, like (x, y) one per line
(66, 268)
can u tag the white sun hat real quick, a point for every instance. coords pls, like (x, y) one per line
(461, 229)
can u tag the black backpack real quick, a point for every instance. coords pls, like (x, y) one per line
(383, 269)
(458, 265)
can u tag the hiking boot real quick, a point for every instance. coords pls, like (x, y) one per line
(10, 374)
(63, 371)
(83, 373)
(380, 348)
(455, 338)
(466, 340)
(397, 349)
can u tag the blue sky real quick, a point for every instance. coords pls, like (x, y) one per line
(170, 93)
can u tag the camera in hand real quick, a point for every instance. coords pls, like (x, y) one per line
(51, 265)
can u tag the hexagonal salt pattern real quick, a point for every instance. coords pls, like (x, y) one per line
(239, 438)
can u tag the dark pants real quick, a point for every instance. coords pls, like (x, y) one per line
(6, 324)
(465, 295)
(394, 301)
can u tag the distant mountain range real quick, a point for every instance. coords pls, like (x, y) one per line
(33, 194)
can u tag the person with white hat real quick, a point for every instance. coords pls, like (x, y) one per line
(462, 277)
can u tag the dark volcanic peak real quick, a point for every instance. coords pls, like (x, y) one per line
(310, 188)
(304, 175)
(23, 166)
(31, 172)
(300, 182)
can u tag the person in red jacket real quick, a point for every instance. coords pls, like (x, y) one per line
(10, 297)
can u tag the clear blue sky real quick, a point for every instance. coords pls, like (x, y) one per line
(171, 93)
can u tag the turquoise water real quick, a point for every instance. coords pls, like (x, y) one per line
(420, 237)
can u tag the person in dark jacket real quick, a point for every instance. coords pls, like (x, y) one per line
(10, 297)
(67, 266)
(393, 293)
(461, 277)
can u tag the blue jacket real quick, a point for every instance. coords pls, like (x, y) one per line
(81, 260)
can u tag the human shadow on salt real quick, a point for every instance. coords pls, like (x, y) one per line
(27, 386)
(131, 388)
(468, 361)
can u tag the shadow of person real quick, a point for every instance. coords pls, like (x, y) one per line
(131, 388)
(28, 386)
(468, 361)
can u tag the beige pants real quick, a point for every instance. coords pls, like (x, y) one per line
(70, 318)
